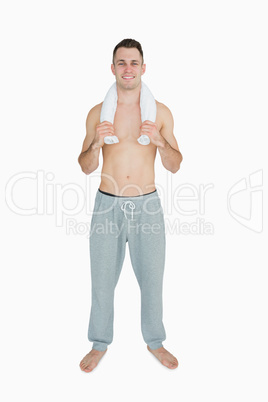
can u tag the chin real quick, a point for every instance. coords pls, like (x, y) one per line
(130, 85)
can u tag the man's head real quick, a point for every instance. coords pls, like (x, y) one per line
(128, 64)
(128, 43)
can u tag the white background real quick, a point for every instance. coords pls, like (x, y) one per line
(207, 61)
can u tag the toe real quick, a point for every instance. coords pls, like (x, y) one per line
(90, 367)
(87, 370)
(166, 363)
(174, 364)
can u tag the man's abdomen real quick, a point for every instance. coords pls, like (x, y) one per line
(128, 180)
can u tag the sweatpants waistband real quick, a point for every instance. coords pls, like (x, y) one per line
(127, 196)
(148, 203)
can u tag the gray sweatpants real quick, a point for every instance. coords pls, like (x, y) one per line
(140, 222)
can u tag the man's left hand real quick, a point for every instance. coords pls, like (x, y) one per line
(149, 128)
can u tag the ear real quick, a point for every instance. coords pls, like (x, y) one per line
(143, 69)
(112, 68)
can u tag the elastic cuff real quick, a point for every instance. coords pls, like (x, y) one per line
(100, 346)
(155, 345)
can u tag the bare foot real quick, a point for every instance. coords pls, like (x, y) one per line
(166, 358)
(91, 360)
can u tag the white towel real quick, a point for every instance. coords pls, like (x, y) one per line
(147, 105)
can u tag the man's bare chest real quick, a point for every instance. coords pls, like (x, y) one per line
(127, 122)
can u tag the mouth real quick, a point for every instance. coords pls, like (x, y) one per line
(128, 77)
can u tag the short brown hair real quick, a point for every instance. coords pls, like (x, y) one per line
(129, 43)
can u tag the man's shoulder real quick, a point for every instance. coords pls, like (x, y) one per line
(163, 112)
(96, 109)
(94, 114)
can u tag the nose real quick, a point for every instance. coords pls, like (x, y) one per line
(128, 68)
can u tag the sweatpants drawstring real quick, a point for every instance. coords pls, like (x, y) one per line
(131, 206)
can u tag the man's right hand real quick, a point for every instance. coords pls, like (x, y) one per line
(102, 130)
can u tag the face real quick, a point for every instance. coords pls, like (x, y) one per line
(128, 68)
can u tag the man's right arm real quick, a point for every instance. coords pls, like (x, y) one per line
(89, 156)
(94, 141)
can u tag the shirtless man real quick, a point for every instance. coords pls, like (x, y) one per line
(128, 174)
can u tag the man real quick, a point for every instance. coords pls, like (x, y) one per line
(126, 190)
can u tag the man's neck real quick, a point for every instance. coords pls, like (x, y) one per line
(128, 96)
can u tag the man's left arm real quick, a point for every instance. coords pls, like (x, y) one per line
(164, 139)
